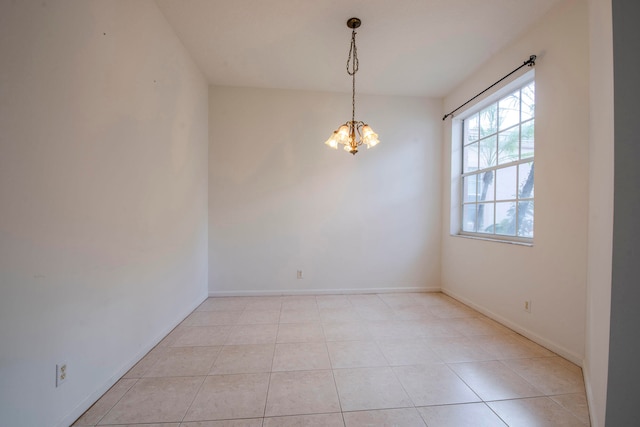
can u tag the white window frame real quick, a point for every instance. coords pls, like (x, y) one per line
(457, 173)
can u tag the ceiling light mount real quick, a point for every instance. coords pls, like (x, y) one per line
(353, 133)
(354, 23)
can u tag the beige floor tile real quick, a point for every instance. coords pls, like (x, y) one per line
(301, 392)
(154, 400)
(146, 425)
(253, 422)
(359, 300)
(537, 411)
(575, 403)
(373, 313)
(302, 302)
(105, 403)
(253, 334)
(340, 314)
(206, 336)
(539, 350)
(333, 301)
(406, 417)
(300, 357)
(212, 318)
(549, 374)
(408, 352)
(300, 332)
(400, 301)
(264, 303)
(436, 329)
(416, 312)
(150, 359)
(465, 415)
(224, 304)
(493, 380)
(434, 384)
(570, 366)
(346, 331)
(299, 316)
(184, 362)
(355, 354)
(453, 311)
(510, 347)
(370, 388)
(230, 396)
(432, 299)
(459, 349)
(244, 359)
(500, 328)
(473, 326)
(172, 336)
(399, 329)
(316, 420)
(252, 317)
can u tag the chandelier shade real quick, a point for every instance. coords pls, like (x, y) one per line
(353, 133)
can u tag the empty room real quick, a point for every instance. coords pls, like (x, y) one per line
(295, 213)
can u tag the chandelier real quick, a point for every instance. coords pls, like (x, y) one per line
(353, 133)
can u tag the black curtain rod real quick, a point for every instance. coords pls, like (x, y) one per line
(530, 62)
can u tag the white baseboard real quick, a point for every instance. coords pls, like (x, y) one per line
(595, 422)
(550, 345)
(282, 292)
(93, 397)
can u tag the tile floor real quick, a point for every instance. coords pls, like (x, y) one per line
(420, 359)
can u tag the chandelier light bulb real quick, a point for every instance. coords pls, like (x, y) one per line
(332, 142)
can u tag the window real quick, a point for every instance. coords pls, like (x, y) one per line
(497, 168)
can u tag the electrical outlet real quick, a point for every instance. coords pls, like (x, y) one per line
(527, 306)
(299, 274)
(61, 373)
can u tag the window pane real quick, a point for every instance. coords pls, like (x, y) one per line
(508, 142)
(470, 158)
(509, 111)
(471, 129)
(498, 147)
(527, 143)
(469, 188)
(525, 178)
(525, 219)
(488, 120)
(506, 183)
(485, 218)
(488, 152)
(469, 218)
(528, 101)
(506, 218)
(486, 186)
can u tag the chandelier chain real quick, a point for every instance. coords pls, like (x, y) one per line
(352, 68)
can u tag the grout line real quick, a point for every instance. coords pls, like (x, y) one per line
(195, 396)
(118, 401)
(273, 357)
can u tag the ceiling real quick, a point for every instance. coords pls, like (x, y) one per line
(405, 47)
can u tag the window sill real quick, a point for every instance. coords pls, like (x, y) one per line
(488, 239)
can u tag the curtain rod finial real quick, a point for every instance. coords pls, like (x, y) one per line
(532, 61)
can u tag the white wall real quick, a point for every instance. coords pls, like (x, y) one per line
(103, 190)
(495, 277)
(600, 207)
(281, 201)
